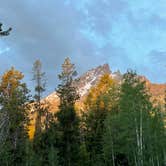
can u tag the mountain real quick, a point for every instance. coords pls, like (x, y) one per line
(83, 85)
(89, 79)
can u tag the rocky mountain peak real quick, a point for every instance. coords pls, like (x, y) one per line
(90, 78)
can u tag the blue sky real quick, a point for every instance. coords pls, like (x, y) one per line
(124, 33)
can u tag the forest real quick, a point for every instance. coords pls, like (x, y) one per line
(119, 126)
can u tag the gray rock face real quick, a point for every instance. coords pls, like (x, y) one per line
(90, 78)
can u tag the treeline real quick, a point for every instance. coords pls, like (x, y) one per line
(119, 126)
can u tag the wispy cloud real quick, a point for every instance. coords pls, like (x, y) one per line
(4, 50)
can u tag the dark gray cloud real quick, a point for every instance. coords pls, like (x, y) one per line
(49, 31)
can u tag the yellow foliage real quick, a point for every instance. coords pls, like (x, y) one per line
(31, 131)
(102, 105)
(10, 81)
(94, 98)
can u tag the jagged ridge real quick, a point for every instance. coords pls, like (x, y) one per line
(91, 77)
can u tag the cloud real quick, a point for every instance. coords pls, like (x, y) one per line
(4, 50)
(91, 32)
(49, 32)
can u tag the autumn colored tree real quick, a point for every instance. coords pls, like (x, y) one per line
(101, 99)
(13, 118)
(98, 95)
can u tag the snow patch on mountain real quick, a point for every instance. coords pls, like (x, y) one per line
(83, 90)
(90, 79)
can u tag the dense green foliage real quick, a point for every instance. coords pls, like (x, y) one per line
(68, 122)
(120, 125)
(135, 135)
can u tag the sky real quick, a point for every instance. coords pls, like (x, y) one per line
(126, 34)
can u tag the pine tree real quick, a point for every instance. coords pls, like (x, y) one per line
(39, 78)
(67, 118)
(45, 138)
(48, 145)
(14, 118)
(53, 159)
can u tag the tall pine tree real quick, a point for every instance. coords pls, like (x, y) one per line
(39, 78)
(44, 141)
(67, 118)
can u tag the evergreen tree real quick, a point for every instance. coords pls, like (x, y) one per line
(44, 142)
(48, 146)
(39, 78)
(67, 118)
(13, 118)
